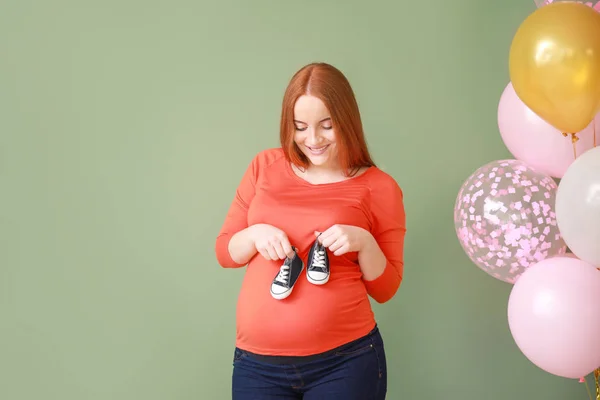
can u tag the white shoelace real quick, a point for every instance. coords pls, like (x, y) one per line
(283, 275)
(319, 259)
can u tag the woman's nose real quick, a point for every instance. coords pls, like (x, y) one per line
(313, 136)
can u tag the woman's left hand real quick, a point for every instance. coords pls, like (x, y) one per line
(342, 239)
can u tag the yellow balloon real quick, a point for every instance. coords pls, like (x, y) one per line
(554, 64)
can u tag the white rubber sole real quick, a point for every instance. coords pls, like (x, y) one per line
(284, 295)
(319, 282)
(281, 296)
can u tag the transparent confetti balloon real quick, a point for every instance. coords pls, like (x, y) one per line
(504, 218)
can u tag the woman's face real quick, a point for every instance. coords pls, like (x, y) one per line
(314, 132)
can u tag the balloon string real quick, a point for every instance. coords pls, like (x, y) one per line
(596, 376)
(574, 140)
(588, 389)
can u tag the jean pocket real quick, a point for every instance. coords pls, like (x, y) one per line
(381, 361)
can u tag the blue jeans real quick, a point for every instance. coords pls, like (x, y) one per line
(355, 371)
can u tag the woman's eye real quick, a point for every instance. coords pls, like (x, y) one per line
(328, 127)
(300, 129)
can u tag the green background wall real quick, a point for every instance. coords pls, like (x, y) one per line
(125, 127)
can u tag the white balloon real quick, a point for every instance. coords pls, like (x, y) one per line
(578, 206)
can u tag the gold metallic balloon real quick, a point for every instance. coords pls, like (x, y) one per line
(554, 64)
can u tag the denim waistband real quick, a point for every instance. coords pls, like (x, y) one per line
(304, 359)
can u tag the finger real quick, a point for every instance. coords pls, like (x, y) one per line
(265, 254)
(272, 253)
(278, 248)
(287, 248)
(342, 250)
(337, 244)
(328, 240)
(321, 236)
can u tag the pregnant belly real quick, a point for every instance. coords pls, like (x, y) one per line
(313, 319)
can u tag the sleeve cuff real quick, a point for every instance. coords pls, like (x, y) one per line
(222, 252)
(385, 285)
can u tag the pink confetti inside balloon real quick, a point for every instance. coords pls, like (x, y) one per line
(504, 218)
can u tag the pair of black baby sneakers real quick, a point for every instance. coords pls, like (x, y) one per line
(317, 271)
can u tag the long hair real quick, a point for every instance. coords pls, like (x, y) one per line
(329, 84)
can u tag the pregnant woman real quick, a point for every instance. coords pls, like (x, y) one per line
(320, 229)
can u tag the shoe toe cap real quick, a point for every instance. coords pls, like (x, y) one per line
(276, 289)
(317, 275)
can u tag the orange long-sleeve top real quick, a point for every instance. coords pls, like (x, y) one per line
(313, 319)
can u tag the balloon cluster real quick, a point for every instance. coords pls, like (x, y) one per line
(515, 222)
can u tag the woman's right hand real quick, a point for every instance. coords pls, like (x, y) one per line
(271, 242)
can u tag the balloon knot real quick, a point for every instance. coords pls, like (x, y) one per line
(574, 137)
(581, 380)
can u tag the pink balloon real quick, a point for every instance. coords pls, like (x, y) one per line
(554, 317)
(531, 139)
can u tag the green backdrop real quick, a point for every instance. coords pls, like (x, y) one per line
(125, 127)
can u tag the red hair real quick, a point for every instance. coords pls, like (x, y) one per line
(329, 84)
